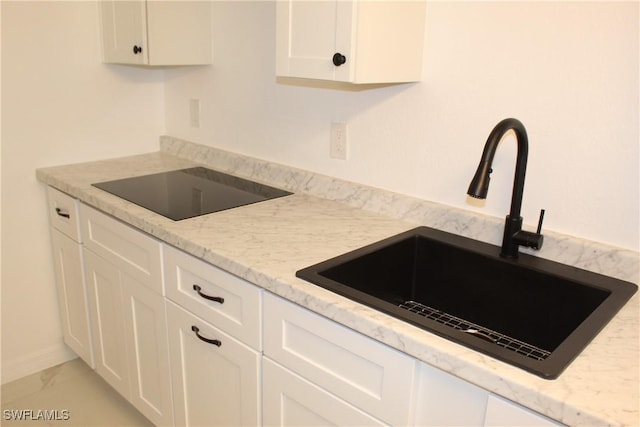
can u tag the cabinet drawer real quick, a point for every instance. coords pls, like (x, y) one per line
(222, 299)
(63, 213)
(136, 253)
(360, 370)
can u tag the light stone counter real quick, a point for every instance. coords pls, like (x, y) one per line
(266, 243)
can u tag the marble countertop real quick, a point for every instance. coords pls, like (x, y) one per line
(266, 243)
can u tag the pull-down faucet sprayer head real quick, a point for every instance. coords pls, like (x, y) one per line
(479, 186)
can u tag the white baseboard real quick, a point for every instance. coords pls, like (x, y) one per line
(35, 362)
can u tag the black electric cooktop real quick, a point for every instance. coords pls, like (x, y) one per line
(187, 193)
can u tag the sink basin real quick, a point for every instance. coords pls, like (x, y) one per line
(530, 312)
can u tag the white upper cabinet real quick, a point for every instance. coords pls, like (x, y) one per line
(360, 41)
(152, 32)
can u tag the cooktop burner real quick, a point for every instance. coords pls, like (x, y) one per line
(187, 193)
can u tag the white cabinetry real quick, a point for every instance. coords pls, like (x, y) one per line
(207, 341)
(445, 400)
(290, 400)
(145, 324)
(362, 373)
(68, 263)
(501, 412)
(124, 277)
(214, 295)
(216, 378)
(173, 32)
(215, 343)
(105, 292)
(359, 41)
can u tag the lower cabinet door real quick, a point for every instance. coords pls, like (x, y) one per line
(501, 412)
(146, 332)
(290, 400)
(215, 377)
(445, 400)
(72, 295)
(107, 322)
(361, 371)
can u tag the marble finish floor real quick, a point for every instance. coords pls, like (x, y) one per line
(70, 394)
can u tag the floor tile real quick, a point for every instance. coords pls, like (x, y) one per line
(70, 394)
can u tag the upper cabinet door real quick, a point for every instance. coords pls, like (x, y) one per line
(307, 38)
(360, 41)
(172, 32)
(124, 32)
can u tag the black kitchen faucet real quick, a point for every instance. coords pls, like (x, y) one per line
(514, 236)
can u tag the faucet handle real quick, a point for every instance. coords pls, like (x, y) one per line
(540, 221)
(529, 239)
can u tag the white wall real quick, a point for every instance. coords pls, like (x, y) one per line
(568, 70)
(59, 105)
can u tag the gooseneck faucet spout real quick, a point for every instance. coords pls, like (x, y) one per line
(514, 236)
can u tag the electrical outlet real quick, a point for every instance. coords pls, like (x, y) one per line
(338, 144)
(194, 113)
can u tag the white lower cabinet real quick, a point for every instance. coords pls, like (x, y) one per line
(501, 412)
(124, 280)
(317, 372)
(355, 369)
(72, 295)
(146, 332)
(216, 378)
(290, 400)
(195, 358)
(68, 263)
(130, 338)
(214, 295)
(107, 319)
(215, 340)
(445, 400)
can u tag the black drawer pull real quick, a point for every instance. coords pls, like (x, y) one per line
(62, 213)
(198, 289)
(195, 329)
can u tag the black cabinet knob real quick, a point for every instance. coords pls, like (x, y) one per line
(137, 49)
(339, 59)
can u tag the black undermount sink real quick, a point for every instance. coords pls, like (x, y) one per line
(529, 312)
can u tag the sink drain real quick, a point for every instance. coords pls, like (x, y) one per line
(459, 324)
